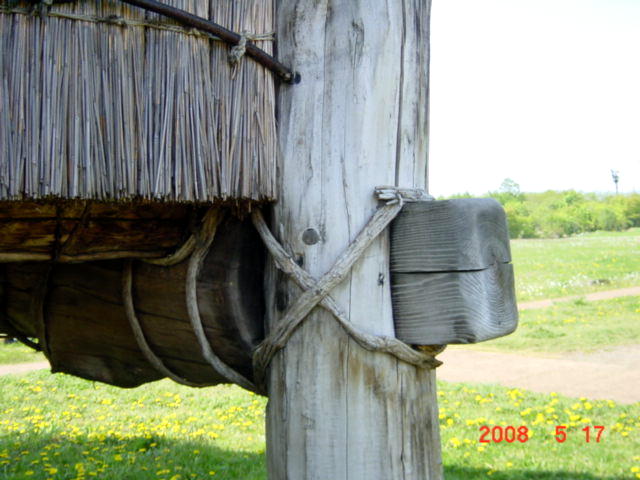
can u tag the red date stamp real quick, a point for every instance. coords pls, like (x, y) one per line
(561, 433)
(510, 434)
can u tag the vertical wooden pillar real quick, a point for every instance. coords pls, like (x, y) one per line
(357, 120)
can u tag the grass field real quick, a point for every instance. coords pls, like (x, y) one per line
(573, 326)
(18, 353)
(550, 268)
(59, 427)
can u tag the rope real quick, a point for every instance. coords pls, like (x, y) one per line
(317, 292)
(195, 262)
(196, 248)
(138, 333)
(209, 222)
(237, 52)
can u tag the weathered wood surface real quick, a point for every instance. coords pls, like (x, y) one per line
(87, 332)
(454, 307)
(446, 235)
(76, 230)
(357, 120)
(451, 281)
(113, 102)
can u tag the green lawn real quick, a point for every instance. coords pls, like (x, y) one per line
(18, 353)
(465, 408)
(550, 268)
(59, 427)
(573, 326)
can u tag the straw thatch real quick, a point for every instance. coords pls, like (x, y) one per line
(99, 100)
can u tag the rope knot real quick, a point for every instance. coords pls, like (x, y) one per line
(237, 51)
(116, 20)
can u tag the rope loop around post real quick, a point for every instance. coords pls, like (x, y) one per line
(317, 292)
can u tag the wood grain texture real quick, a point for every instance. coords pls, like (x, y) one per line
(77, 230)
(447, 235)
(357, 120)
(451, 281)
(454, 307)
(88, 332)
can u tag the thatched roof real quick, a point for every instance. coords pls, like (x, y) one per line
(137, 108)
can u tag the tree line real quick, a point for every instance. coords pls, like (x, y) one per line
(554, 214)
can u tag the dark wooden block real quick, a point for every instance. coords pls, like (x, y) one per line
(448, 235)
(454, 307)
(451, 277)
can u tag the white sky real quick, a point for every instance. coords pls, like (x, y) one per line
(546, 92)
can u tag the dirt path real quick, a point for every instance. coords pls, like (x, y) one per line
(22, 367)
(608, 374)
(612, 374)
(605, 295)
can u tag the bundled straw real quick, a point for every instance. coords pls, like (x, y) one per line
(119, 103)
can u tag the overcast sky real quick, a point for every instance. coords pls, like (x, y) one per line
(546, 92)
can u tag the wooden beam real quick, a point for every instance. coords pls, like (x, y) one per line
(451, 281)
(358, 119)
(88, 332)
(455, 307)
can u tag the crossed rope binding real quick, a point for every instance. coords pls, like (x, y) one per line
(317, 292)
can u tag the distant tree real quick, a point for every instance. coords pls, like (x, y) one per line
(632, 210)
(509, 185)
(509, 191)
(561, 213)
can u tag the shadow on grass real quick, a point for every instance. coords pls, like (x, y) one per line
(32, 456)
(463, 473)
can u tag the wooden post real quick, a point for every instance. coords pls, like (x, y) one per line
(358, 119)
